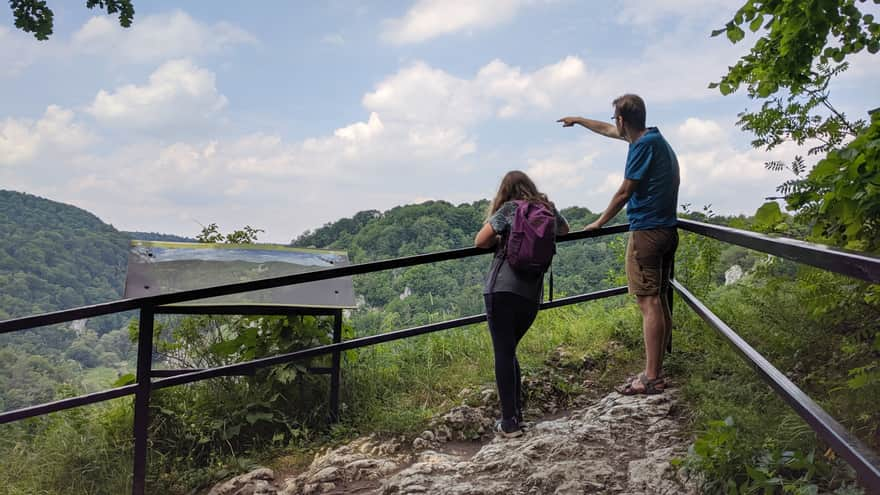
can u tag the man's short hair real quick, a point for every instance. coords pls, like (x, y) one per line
(632, 108)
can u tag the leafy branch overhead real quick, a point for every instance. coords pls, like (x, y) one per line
(803, 47)
(841, 195)
(35, 16)
(797, 32)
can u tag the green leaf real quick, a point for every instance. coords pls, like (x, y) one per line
(769, 215)
(735, 34)
(226, 347)
(126, 379)
(756, 23)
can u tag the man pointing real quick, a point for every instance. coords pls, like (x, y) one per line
(650, 193)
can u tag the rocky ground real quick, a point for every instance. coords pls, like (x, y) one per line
(609, 444)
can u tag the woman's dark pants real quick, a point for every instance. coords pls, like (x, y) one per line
(509, 316)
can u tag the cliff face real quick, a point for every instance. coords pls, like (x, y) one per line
(617, 444)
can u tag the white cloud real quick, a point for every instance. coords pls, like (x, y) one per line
(55, 132)
(672, 69)
(421, 93)
(157, 37)
(361, 131)
(263, 180)
(17, 52)
(431, 18)
(556, 173)
(18, 142)
(178, 94)
(556, 86)
(731, 176)
(699, 133)
(667, 72)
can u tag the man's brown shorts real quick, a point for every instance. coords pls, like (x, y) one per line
(649, 256)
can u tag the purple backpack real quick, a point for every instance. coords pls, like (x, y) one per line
(531, 242)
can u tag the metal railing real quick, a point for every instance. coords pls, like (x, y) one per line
(856, 265)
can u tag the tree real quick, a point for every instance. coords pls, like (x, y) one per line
(797, 36)
(212, 234)
(34, 16)
(841, 195)
(804, 45)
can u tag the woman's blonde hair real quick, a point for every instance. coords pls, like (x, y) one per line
(517, 185)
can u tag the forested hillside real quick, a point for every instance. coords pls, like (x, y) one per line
(54, 256)
(444, 290)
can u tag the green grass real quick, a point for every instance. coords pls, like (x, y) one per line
(83, 451)
(424, 376)
(807, 344)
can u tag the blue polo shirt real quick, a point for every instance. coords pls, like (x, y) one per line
(653, 164)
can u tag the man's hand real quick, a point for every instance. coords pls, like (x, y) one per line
(568, 121)
(593, 226)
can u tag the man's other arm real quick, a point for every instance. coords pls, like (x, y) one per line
(599, 127)
(614, 206)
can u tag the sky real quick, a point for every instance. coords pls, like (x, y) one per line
(288, 115)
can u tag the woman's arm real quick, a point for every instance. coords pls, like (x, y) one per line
(486, 237)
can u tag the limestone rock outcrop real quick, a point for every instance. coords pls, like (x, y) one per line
(620, 445)
(617, 445)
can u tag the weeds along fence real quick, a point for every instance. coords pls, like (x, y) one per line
(860, 266)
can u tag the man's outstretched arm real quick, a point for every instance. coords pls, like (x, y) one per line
(599, 127)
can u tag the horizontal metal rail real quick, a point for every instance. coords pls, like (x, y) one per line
(859, 456)
(856, 265)
(268, 283)
(181, 377)
(60, 405)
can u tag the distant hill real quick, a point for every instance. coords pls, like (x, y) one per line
(55, 256)
(155, 236)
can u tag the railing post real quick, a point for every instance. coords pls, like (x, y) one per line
(334, 375)
(142, 400)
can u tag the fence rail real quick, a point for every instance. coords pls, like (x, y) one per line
(855, 265)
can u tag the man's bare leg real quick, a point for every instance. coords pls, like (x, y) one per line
(654, 325)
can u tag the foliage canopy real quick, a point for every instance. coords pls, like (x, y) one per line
(35, 16)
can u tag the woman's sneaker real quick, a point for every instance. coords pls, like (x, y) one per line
(520, 420)
(508, 428)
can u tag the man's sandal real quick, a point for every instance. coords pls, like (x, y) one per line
(652, 386)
